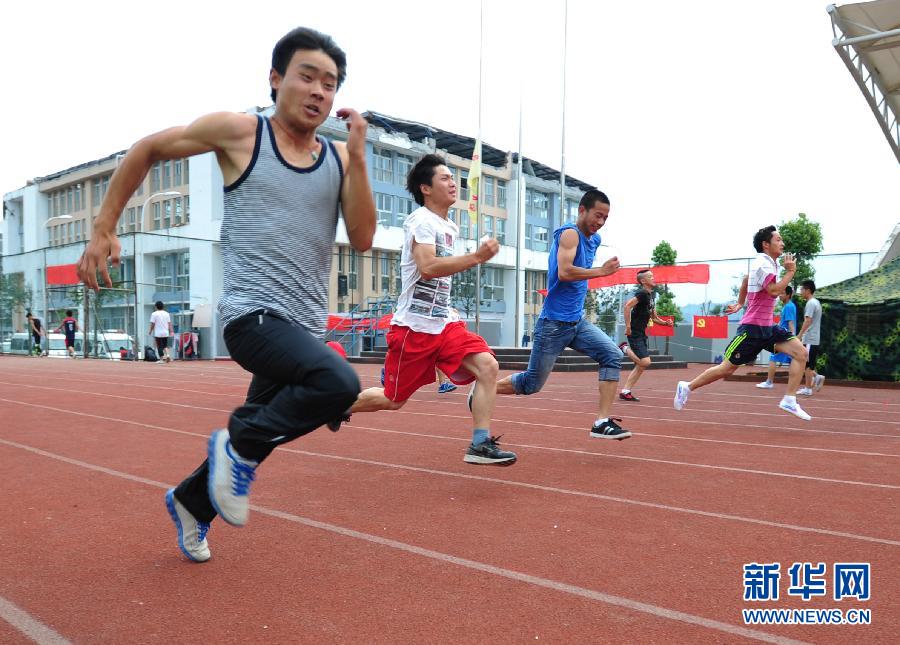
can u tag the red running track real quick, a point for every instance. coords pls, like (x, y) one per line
(380, 533)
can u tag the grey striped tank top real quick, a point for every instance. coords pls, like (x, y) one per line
(278, 235)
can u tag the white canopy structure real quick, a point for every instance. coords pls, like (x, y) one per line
(867, 38)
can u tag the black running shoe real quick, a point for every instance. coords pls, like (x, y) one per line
(335, 425)
(488, 452)
(609, 430)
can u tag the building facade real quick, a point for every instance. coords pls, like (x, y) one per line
(169, 231)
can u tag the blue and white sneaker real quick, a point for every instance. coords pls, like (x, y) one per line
(230, 476)
(682, 392)
(789, 404)
(443, 388)
(191, 533)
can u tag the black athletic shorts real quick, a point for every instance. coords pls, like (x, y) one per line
(161, 343)
(638, 344)
(813, 351)
(70, 342)
(752, 339)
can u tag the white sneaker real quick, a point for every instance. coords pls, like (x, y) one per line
(805, 391)
(230, 476)
(766, 385)
(682, 392)
(191, 533)
(794, 408)
(818, 382)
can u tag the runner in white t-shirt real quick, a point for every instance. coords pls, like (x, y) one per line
(426, 332)
(161, 329)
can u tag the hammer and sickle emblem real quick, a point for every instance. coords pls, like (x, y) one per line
(701, 322)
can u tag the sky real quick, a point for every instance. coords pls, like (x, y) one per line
(702, 120)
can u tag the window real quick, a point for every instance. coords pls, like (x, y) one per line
(537, 204)
(501, 193)
(492, 283)
(374, 270)
(78, 199)
(341, 255)
(501, 231)
(69, 205)
(95, 185)
(385, 272)
(167, 174)
(354, 261)
(156, 216)
(165, 277)
(187, 207)
(488, 223)
(541, 236)
(154, 178)
(384, 205)
(463, 224)
(177, 168)
(140, 189)
(404, 208)
(167, 214)
(131, 220)
(183, 271)
(186, 167)
(464, 184)
(571, 211)
(179, 213)
(70, 232)
(383, 165)
(451, 214)
(404, 165)
(487, 193)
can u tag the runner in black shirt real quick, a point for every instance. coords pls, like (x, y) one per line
(639, 311)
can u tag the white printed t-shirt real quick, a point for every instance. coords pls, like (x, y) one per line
(160, 320)
(424, 305)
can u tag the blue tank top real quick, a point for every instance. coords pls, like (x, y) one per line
(565, 300)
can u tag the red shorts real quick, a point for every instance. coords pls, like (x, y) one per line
(412, 357)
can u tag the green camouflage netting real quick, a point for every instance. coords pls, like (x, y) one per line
(860, 337)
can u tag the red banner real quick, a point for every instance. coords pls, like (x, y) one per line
(344, 323)
(661, 330)
(62, 274)
(693, 273)
(710, 327)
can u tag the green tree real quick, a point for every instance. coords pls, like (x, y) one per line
(462, 292)
(665, 255)
(606, 308)
(803, 238)
(15, 297)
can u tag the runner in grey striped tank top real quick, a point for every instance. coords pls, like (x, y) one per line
(284, 185)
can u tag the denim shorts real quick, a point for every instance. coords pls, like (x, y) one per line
(551, 337)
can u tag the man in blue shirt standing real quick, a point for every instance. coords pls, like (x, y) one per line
(562, 323)
(789, 322)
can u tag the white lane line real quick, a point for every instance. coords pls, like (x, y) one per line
(670, 462)
(29, 626)
(443, 473)
(517, 576)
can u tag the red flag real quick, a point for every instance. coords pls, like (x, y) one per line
(710, 327)
(661, 330)
(62, 274)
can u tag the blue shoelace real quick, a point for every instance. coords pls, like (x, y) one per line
(202, 529)
(242, 475)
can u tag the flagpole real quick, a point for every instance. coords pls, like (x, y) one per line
(478, 201)
(562, 161)
(519, 287)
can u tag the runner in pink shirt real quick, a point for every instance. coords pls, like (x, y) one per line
(756, 332)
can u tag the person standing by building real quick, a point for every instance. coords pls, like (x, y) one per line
(69, 326)
(285, 186)
(809, 336)
(639, 311)
(37, 332)
(788, 322)
(161, 329)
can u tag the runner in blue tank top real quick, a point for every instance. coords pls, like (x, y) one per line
(562, 323)
(283, 187)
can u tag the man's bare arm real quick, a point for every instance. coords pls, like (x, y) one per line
(565, 258)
